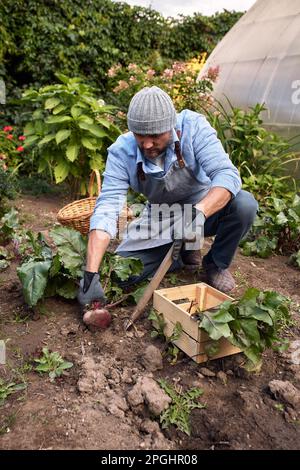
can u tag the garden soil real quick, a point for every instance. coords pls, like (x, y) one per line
(98, 404)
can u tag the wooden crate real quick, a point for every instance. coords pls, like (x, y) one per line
(175, 305)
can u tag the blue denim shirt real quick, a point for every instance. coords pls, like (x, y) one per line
(202, 152)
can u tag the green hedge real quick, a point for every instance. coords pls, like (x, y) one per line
(41, 37)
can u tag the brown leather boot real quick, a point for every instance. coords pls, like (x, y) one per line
(191, 259)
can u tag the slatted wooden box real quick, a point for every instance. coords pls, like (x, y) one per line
(177, 304)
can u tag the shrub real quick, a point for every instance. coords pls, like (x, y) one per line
(252, 149)
(7, 185)
(39, 38)
(11, 148)
(277, 228)
(179, 81)
(263, 186)
(70, 129)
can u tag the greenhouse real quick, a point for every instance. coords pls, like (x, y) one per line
(259, 61)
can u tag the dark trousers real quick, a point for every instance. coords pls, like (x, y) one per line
(229, 225)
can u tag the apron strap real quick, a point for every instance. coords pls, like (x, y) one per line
(140, 172)
(179, 156)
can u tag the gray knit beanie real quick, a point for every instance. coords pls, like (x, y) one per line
(151, 111)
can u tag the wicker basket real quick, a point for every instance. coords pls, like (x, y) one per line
(77, 214)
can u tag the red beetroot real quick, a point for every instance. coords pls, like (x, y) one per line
(97, 316)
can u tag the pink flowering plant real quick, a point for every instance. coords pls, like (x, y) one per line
(11, 148)
(179, 80)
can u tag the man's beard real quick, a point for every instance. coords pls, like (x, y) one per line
(153, 153)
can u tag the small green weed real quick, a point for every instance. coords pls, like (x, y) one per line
(52, 363)
(180, 409)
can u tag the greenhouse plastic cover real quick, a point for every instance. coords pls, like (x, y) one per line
(259, 61)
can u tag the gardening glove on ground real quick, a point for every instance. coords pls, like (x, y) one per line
(90, 289)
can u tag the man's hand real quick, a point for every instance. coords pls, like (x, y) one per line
(191, 230)
(90, 289)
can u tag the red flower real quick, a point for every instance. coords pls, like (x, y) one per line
(7, 128)
(9, 136)
(20, 149)
(22, 137)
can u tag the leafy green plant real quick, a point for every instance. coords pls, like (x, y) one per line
(52, 364)
(8, 185)
(114, 270)
(265, 185)
(252, 149)
(251, 323)
(8, 225)
(183, 39)
(48, 271)
(178, 413)
(4, 258)
(295, 259)
(277, 228)
(37, 185)
(70, 130)
(66, 36)
(170, 350)
(158, 323)
(173, 279)
(8, 388)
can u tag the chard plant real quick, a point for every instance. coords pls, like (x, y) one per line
(252, 324)
(47, 271)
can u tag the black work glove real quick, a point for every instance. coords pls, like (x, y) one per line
(90, 289)
(189, 234)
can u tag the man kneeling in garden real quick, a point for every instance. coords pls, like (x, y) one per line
(172, 159)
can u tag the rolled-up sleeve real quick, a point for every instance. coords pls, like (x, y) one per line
(214, 160)
(112, 197)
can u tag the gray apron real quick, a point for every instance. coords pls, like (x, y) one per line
(157, 224)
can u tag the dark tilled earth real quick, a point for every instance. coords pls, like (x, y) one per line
(87, 408)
